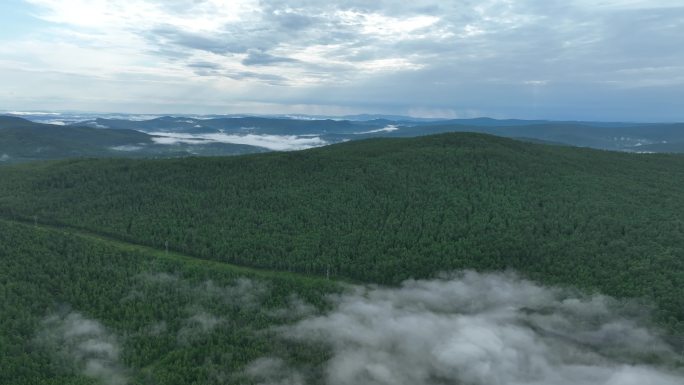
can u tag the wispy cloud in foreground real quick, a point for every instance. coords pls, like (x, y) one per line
(84, 344)
(198, 325)
(478, 329)
(199, 322)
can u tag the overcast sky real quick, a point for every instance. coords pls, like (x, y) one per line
(557, 59)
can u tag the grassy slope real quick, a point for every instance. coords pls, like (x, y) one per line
(388, 209)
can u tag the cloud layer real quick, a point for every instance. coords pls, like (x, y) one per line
(478, 329)
(617, 59)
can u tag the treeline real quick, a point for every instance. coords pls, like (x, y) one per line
(388, 209)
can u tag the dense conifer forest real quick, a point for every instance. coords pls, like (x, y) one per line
(261, 233)
(180, 321)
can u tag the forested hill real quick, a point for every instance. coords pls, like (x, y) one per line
(383, 210)
(22, 140)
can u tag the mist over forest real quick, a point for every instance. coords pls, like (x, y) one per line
(306, 192)
(462, 327)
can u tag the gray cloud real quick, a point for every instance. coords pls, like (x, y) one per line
(262, 58)
(577, 59)
(204, 65)
(243, 75)
(85, 344)
(267, 78)
(478, 329)
(289, 19)
(223, 44)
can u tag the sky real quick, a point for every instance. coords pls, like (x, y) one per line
(554, 59)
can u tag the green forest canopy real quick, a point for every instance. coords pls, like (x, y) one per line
(208, 320)
(377, 211)
(384, 210)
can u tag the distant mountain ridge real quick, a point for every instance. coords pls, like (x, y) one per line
(23, 140)
(173, 136)
(616, 136)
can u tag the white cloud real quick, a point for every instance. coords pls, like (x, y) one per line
(363, 56)
(85, 343)
(127, 148)
(208, 15)
(628, 4)
(214, 31)
(389, 128)
(271, 142)
(478, 329)
(24, 113)
(386, 26)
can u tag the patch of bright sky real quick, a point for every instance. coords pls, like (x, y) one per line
(17, 19)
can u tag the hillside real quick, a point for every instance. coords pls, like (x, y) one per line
(384, 210)
(614, 137)
(669, 147)
(24, 140)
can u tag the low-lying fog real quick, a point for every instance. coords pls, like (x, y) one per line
(479, 329)
(467, 328)
(271, 142)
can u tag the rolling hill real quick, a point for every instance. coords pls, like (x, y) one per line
(24, 140)
(616, 136)
(606, 137)
(384, 210)
(253, 269)
(182, 136)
